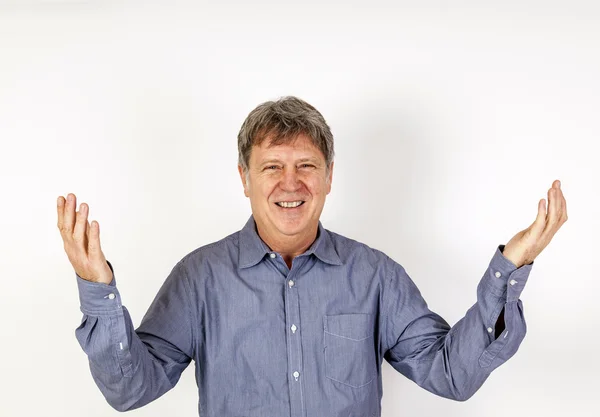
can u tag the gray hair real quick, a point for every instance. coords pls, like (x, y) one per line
(282, 121)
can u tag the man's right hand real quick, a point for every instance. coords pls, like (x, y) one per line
(82, 241)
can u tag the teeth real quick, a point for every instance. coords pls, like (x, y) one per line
(289, 204)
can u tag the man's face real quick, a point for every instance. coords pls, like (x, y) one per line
(287, 185)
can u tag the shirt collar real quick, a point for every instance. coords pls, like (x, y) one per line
(253, 249)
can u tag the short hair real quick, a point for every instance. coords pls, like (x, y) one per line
(281, 121)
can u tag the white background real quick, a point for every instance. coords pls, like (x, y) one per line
(451, 120)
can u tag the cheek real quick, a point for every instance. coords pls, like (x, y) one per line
(266, 188)
(318, 188)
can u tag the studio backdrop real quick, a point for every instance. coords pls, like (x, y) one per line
(450, 120)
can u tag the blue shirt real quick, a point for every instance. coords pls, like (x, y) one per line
(302, 342)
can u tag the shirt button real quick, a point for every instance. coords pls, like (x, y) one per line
(513, 282)
(290, 283)
(489, 329)
(111, 296)
(296, 375)
(498, 274)
(294, 328)
(272, 255)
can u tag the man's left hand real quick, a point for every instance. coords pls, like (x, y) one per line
(526, 245)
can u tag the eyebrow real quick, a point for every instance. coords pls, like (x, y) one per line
(271, 161)
(313, 160)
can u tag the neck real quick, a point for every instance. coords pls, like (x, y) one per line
(288, 246)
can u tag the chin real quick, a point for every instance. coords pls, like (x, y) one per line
(291, 229)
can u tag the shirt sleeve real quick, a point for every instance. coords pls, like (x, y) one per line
(453, 362)
(132, 368)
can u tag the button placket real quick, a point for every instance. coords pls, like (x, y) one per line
(294, 351)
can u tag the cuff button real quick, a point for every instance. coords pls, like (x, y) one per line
(498, 274)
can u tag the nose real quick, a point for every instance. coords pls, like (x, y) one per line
(290, 180)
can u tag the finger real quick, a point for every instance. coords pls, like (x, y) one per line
(94, 243)
(80, 224)
(69, 217)
(86, 239)
(563, 205)
(553, 208)
(60, 212)
(540, 220)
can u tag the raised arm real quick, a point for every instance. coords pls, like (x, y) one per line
(131, 368)
(454, 362)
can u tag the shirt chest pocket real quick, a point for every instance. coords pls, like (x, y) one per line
(350, 351)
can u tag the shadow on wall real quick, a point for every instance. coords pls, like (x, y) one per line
(384, 169)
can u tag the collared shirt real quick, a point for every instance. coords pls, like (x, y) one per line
(305, 341)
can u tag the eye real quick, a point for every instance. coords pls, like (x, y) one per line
(307, 166)
(271, 167)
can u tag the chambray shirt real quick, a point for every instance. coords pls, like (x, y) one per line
(302, 342)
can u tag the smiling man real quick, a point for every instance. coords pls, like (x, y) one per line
(284, 317)
(290, 179)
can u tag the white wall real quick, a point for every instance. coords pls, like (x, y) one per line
(451, 121)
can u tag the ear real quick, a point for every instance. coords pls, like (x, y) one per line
(330, 177)
(243, 178)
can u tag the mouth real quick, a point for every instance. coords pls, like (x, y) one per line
(290, 204)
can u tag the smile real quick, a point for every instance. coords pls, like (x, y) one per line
(289, 204)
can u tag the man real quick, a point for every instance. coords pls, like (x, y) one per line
(284, 317)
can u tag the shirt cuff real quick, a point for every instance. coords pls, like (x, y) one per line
(503, 277)
(97, 298)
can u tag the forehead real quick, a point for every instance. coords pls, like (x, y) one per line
(299, 147)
